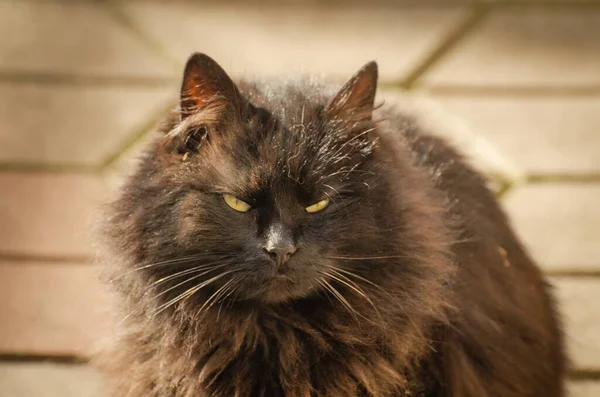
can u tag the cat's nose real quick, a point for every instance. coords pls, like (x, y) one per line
(282, 252)
(279, 243)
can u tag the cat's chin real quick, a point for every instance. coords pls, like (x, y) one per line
(279, 289)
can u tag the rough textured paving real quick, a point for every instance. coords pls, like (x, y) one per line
(516, 86)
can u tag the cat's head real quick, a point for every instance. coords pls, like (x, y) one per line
(264, 193)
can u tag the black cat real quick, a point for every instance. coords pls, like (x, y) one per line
(290, 240)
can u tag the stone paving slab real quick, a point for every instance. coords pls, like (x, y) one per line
(559, 223)
(526, 46)
(584, 389)
(277, 41)
(48, 214)
(49, 380)
(540, 134)
(51, 309)
(580, 306)
(52, 124)
(72, 37)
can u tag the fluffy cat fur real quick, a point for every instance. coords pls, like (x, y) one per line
(409, 283)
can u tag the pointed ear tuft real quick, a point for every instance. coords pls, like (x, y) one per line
(206, 83)
(356, 99)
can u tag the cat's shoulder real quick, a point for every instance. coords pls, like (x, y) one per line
(428, 149)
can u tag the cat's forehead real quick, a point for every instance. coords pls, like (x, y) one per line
(268, 183)
(287, 161)
(278, 163)
(291, 101)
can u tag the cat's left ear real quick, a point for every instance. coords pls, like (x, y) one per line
(206, 84)
(356, 99)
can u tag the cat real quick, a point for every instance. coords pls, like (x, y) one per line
(294, 239)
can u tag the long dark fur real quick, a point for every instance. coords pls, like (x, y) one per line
(411, 282)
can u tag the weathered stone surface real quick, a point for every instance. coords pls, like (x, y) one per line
(50, 380)
(544, 135)
(278, 41)
(559, 223)
(48, 124)
(72, 37)
(52, 309)
(580, 306)
(49, 214)
(526, 46)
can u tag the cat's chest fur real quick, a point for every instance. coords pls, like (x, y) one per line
(267, 354)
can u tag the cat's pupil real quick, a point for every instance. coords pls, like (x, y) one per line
(195, 138)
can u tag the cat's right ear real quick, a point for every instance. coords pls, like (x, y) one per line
(356, 99)
(205, 84)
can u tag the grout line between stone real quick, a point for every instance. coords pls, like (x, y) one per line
(504, 189)
(24, 258)
(590, 90)
(43, 358)
(584, 374)
(50, 168)
(582, 178)
(70, 79)
(477, 13)
(574, 273)
(548, 4)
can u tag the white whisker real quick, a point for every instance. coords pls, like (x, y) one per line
(188, 293)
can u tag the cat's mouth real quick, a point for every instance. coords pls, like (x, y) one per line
(282, 277)
(277, 287)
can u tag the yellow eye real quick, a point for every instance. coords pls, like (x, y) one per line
(316, 207)
(236, 203)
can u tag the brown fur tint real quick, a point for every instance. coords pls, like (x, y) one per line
(400, 287)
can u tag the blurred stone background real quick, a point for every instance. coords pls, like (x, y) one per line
(516, 84)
